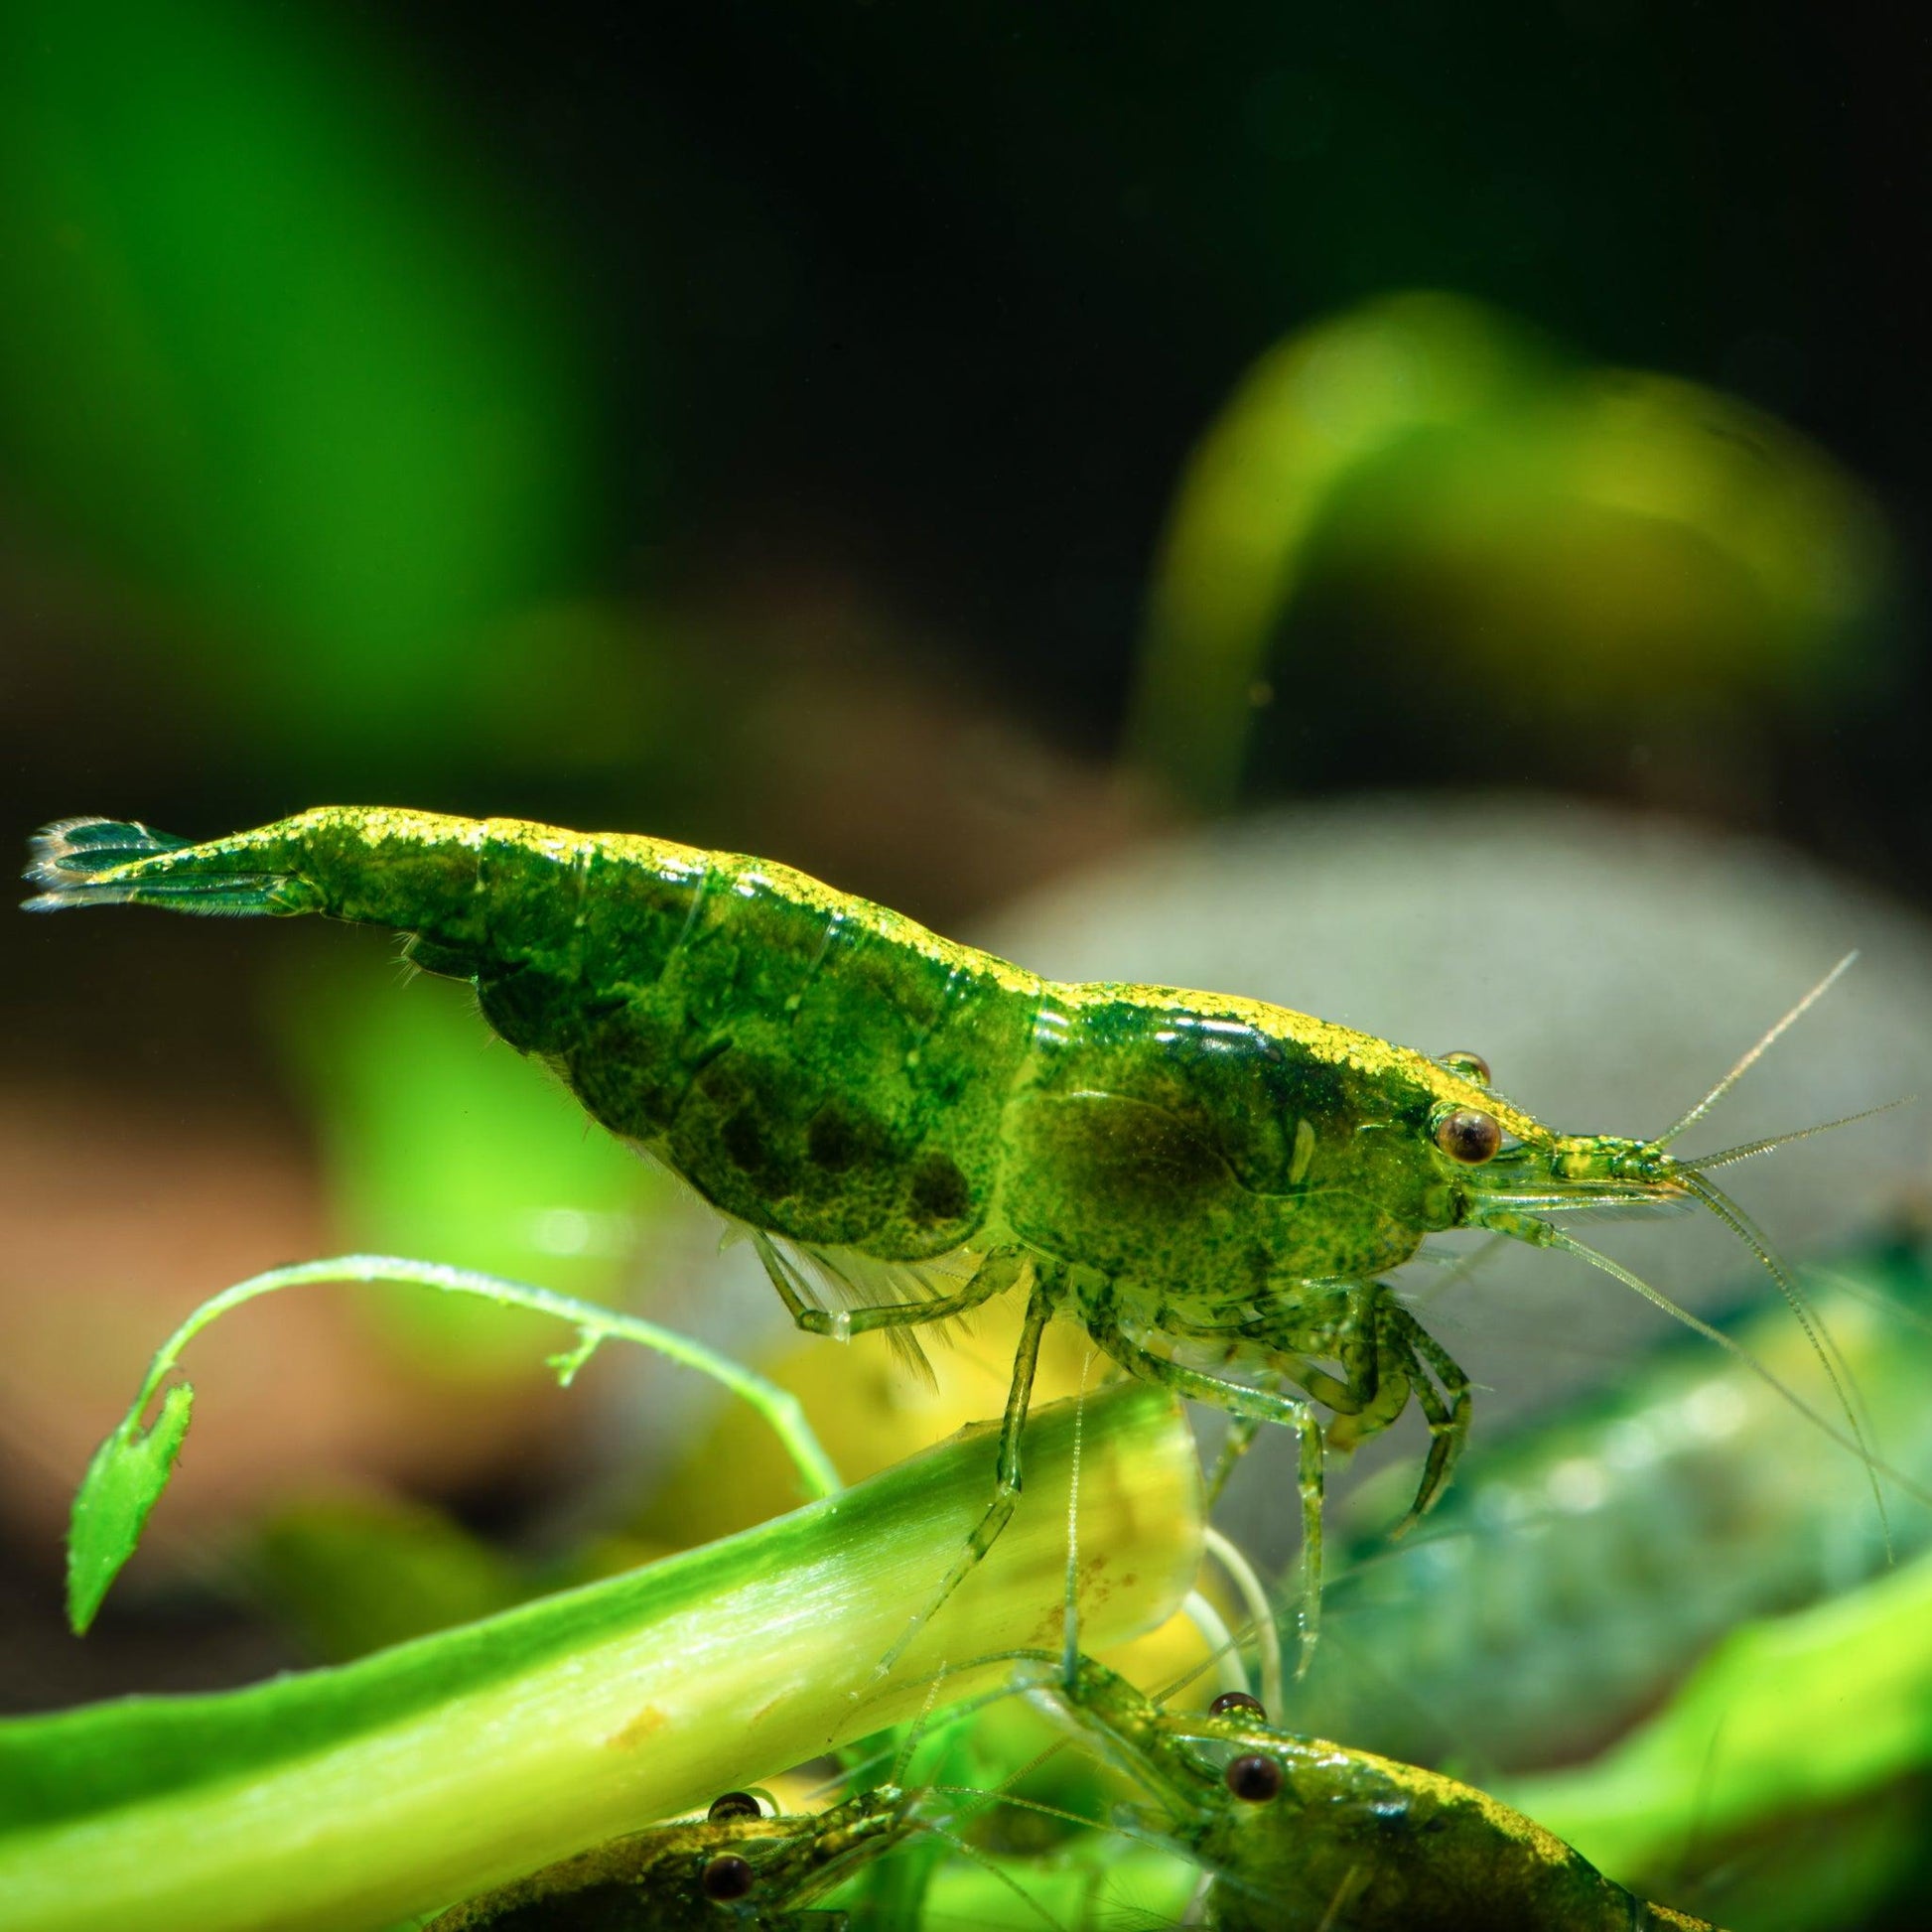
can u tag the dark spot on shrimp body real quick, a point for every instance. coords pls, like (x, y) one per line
(844, 1139)
(831, 1141)
(743, 1137)
(727, 1877)
(1238, 1701)
(1254, 1778)
(939, 1189)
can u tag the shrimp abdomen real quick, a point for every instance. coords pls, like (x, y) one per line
(815, 1066)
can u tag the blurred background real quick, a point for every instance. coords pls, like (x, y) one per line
(1419, 518)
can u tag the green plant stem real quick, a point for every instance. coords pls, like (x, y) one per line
(132, 1466)
(594, 1325)
(339, 1800)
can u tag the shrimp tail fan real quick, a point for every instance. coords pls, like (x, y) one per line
(118, 862)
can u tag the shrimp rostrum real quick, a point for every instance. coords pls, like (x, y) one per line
(907, 1127)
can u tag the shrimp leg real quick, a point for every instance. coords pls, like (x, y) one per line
(1388, 1359)
(996, 1273)
(1366, 1397)
(1445, 1410)
(1239, 1439)
(1249, 1407)
(999, 1512)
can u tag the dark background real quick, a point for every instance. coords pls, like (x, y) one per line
(906, 322)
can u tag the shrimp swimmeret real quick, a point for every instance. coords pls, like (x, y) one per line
(907, 1127)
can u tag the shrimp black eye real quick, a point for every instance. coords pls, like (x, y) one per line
(1236, 1700)
(1254, 1779)
(1468, 1137)
(1471, 1066)
(734, 1804)
(726, 1876)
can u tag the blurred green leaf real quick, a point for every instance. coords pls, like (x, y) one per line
(1791, 1715)
(437, 1140)
(1518, 534)
(130, 1469)
(275, 342)
(351, 1574)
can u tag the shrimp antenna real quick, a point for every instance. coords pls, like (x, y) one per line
(916, 1731)
(999, 1795)
(1554, 1237)
(974, 1855)
(1267, 1631)
(1741, 1224)
(1223, 1647)
(1070, 1619)
(1705, 1162)
(1757, 1053)
(1261, 1625)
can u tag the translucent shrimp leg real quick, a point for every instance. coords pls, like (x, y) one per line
(1041, 1304)
(1250, 1406)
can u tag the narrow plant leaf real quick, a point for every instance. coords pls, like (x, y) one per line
(123, 1483)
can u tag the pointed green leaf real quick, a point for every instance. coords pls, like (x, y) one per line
(123, 1483)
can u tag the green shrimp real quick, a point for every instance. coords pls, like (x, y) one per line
(740, 1866)
(907, 1127)
(1297, 1835)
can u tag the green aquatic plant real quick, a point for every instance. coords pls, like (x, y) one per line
(349, 1797)
(132, 1466)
